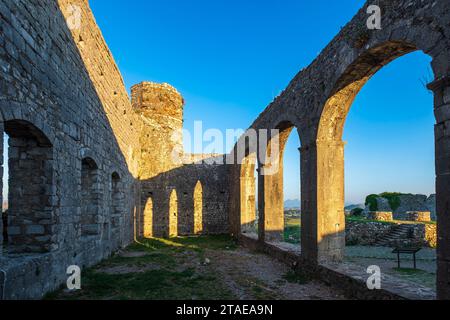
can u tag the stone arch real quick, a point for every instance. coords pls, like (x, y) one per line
(272, 207)
(173, 214)
(28, 223)
(350, 83)
(329, 147)
(317, 101)
(15, 111)
(198, 208)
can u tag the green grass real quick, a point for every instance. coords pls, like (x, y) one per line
(292, 230)
(175, 272)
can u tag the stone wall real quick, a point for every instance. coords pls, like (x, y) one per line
(368, 233)
(409, 202)
(62, 100)
(185, 181)
(380, 216)
(182, 194)
(365, 233)
(79, 150)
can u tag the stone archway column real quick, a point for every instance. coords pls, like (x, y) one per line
(441, 89)
(261, 204)
(273, 202)
(323, 217)
(247, 203)
(1, 191)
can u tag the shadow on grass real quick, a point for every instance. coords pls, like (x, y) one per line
(155, 269)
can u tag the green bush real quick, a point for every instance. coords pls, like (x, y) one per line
(392, 197)
(372, 202)
(357, 212)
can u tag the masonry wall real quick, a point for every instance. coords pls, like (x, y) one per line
(88, 149)
(65, 84)
(183, 181)
(181, 194)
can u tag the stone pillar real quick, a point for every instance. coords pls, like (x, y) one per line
(248, 203)
(308, 203)
(1, 188)
(274, 206)
(441, 89)
(261, 205)
(323, 216)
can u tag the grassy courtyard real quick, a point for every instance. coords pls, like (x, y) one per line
(193, 268)
(155, 269)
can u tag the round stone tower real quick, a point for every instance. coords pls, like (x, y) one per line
(161, 109)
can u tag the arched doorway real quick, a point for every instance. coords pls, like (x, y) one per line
(274, 183)
(331, 221)
(148, 218)
(173, 214)
(198, 208)
(389, 171)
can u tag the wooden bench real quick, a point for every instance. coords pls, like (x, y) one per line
(409, 250)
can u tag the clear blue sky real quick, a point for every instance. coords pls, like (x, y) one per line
(230, 58)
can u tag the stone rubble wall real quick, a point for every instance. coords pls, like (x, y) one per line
(367, 233)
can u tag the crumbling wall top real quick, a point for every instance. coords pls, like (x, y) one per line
(149, 98)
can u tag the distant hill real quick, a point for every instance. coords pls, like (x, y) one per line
(355, 206)
(292, 204)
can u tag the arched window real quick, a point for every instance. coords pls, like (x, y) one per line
(117, 196)
(90, 198)
(173, 214)
(28, 220)
(148, 218)
(198, 208)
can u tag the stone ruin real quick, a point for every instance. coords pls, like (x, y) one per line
(91, 169)
(408, 203)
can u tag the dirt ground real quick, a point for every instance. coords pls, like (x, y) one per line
(257, 276)
(195, 269)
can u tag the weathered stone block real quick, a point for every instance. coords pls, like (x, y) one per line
(420, 216)
(381, 216)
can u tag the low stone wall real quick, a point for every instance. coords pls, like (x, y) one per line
(425, 235)
(365, 233)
